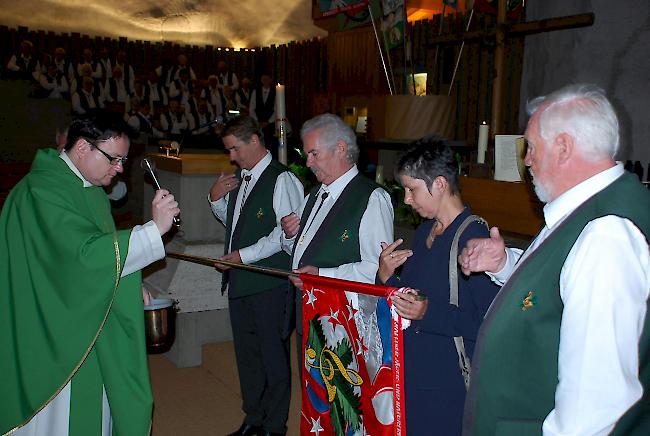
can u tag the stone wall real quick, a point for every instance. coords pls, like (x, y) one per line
(613, 53)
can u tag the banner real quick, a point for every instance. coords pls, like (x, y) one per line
(352, 350)
(514, 8)
(331, 7)
(392, 22)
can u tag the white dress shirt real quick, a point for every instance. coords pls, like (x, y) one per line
(288, 195)
(240, 104)
(122, 94)
(376, 226)
(93, 102)
(604, 285)
(56, 89)
(253, 104)
(223, 80)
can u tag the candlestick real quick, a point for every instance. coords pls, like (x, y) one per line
(280, 123)
(483, 131)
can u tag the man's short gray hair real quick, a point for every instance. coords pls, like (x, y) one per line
(332, 131)
(584, 112)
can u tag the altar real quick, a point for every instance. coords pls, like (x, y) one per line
(202, 309)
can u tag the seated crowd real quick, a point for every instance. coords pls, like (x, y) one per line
(168, 102)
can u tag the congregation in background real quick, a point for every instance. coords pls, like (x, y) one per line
(549, 340)
(167, 102)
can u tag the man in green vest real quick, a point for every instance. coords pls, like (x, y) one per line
(73, 358)
(564, 348)
(250, 203)
(338, 230)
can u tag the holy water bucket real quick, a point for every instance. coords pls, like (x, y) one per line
(160, 325)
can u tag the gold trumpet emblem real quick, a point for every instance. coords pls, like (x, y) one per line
(529, 301)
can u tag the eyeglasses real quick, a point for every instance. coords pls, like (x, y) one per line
(112, 159)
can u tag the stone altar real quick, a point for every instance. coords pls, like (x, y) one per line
(202, 309)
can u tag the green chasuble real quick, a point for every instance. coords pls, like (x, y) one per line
(65, 313)
(515, 366)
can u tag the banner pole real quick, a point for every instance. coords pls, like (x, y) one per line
(207, 261)
(460, 53)
(381, 52)
(435, 58)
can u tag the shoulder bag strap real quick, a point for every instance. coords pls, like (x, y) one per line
(463, 360)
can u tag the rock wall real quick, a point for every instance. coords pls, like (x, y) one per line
(614, 53)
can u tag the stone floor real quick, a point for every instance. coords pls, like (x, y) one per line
(205, 400)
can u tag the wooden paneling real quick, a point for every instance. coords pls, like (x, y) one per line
(513, 207)
(321, 72)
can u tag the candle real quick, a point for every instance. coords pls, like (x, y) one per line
(280, 110)
(483, 131)
(280, 123)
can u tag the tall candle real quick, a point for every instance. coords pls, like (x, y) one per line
(483, 131)
(280, 123)
(280, 109)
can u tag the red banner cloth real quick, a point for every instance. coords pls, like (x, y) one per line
(352, 375)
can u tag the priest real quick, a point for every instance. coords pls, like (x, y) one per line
(73, 358)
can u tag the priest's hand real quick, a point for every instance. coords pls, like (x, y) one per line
(304, 270)
(233, 256)
(390, 259)
(163, 209)
(223, 185)
(486, 254)
(408, 305)
(290, 225)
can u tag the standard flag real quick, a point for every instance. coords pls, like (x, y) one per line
(352, 372)
(392, 22)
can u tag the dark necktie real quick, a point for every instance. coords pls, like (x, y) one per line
(322, 200)
(243, 197)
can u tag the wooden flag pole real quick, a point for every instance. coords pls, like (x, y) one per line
(211, 262)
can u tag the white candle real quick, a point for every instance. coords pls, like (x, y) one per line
(483, 131)
(280, 109)
(280, 123)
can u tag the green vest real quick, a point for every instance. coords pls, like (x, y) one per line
(256, 220)
(515, 366)
(336, 241)
(65, 313)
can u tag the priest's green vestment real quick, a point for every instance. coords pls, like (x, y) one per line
(66, 314)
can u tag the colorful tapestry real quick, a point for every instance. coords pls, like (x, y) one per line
(331, 7)
(392, 23)
(352, 373)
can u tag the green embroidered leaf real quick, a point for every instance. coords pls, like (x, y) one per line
(316, 338)
(344, 351)
(337, 418)
(347, 402)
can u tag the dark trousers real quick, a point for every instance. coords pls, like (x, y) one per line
(262, 353)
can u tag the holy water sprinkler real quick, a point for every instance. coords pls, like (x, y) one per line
(150, 167)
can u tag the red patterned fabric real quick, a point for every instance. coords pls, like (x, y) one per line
(346, 390)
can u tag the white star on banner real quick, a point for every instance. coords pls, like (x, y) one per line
(351, 311)
(311, 298)
(315, 426)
